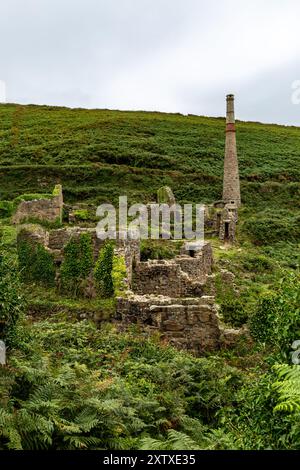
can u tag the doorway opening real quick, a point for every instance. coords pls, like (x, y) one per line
(226, 237)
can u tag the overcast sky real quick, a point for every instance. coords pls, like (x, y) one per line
(165, 55)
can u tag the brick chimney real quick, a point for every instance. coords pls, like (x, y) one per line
(231, 182)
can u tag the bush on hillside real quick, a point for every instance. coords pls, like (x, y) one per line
(277, 318)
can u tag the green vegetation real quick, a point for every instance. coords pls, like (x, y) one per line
(81, 214)
(76, 387)
(77, 265)
(119, 275)
(277, 318)
(8, 208)
(36, 264)
(91, 151)
(157, 249)
(11, 301)
(81, 384)
(103, 271)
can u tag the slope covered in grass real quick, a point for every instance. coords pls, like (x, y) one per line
(99, 154)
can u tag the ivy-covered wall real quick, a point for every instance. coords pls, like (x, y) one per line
(36, 264)
(77, 270)
(77, 264)
(103, 271)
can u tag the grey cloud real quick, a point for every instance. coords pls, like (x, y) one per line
(168, 55)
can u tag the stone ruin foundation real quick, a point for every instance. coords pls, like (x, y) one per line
(174, 298)
(187, 323)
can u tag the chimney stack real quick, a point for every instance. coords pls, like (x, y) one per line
(231, 182)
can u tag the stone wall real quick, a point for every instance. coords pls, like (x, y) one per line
(190, 323)
(34, 234)
(59, 238)
(55, 240)
(183, 276)
(44, 210)
(168, 296)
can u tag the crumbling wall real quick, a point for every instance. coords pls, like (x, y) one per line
(167, 278)
(59, 238)
(229, 218)
(55, 241)
(44, 210)
(168, 296)
(189, 323)
(183, 276)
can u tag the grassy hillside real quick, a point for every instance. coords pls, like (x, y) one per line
(99, 154)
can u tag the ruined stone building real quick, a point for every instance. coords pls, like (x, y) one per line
(43, 209)
(174, 297)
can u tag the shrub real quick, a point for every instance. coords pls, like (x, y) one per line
(119, 274)
(36, 264)
(232, 306)
(6, 209)
(103, 271)
(157, 249)
(85, 388)
(11, 301)
(257, 263)
(31, 197)
(252, 421)
(77, 264)
(233, 311)
(267, 229)
(81, 214)
(277, 318)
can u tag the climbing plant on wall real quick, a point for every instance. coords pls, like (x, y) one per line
(77, 264)
(103, 271)
(119, 275)
(36, 263)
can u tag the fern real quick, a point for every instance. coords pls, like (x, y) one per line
(288, 388)
(175, 441)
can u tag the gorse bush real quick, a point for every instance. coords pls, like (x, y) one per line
(103, 271)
